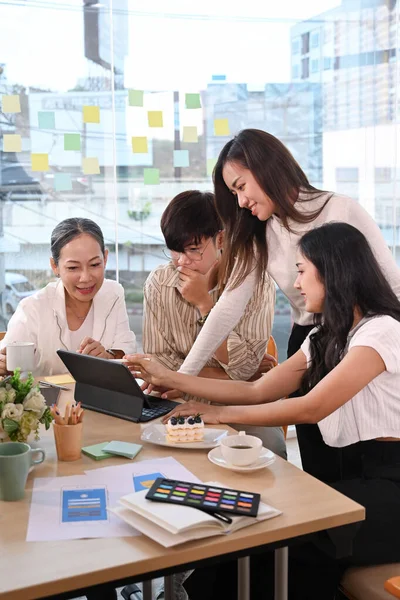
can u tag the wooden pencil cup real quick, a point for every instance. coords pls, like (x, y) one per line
(68, 441)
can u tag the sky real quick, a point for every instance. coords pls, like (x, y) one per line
(41, 41)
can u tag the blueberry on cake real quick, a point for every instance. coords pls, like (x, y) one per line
(185, 429)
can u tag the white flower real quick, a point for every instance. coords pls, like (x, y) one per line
(12, 411)
(3, 394)
(35, 402)
(11, 393)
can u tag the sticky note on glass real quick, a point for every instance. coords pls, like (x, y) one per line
(140, 145)
(11, 104)
(135, 97)
(62, 182)
(192, 101)
(40, 162)
(91, 114)
(90, 166)
(72, 141)
(46, 119)
(211, 162)
(151, 176)
(181, 158)
(12, 142)
(155, 118)
(190, 134)
(221, 127)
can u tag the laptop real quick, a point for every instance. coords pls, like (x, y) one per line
(108, 387)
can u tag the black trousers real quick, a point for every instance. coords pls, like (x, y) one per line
(369, 473)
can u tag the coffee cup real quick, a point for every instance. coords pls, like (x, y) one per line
(241, 450)
(20, 355)
(16, 458)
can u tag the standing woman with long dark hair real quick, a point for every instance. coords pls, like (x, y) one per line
(266, 204)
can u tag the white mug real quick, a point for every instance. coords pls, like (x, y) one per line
(241, 450)
(20, 355)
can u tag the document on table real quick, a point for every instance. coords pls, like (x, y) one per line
(77, 507)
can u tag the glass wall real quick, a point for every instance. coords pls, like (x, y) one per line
(110, 108)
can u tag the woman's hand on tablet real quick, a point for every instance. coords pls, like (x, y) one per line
(92, 347)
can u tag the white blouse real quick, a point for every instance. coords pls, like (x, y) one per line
(375, 411)
(282, 248)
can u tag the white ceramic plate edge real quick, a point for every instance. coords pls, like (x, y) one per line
(160, 441)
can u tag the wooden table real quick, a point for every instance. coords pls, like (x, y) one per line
(38, 569)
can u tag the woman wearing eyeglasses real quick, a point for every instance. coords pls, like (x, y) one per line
(179, 296)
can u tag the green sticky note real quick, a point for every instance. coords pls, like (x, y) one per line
(72, 141)
(96, 451)
(46, 119)
(151, 176)
(192, 101)
(211, 162)
(126, 449)
(135, 97)
(62, 182)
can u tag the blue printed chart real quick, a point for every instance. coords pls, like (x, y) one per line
(144, 482)
(84, 505)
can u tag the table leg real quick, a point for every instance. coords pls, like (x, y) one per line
(168, 587)
(281, 574)
(147, 589)
(244, 578)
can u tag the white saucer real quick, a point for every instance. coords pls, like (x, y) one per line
(265, 459)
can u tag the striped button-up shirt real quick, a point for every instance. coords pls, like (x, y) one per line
(170, 325)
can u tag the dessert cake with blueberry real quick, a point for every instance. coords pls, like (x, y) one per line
(185, 429)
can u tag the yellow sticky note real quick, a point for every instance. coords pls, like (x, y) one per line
(190, 135)
(40, 162)
(12, 142)
(221, 127)
(90, 166)
(11, 104)
(155, 118)
(139, 145)
(60, 379)
(91, 114)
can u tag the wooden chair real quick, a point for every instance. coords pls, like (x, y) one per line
(272, 349)
(2, 335)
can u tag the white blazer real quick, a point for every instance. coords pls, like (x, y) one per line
(41, 319)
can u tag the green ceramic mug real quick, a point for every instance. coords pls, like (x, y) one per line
(15, 461)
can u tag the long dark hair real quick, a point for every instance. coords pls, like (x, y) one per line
(280, 177)
(352, 279)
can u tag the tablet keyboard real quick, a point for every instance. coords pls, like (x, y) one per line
(156, 409)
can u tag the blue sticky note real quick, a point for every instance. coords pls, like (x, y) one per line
(46, 119)
(84, 505)
(181, 158)
(144, 482)
(62, 182)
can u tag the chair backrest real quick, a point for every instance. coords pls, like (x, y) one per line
(2, 335)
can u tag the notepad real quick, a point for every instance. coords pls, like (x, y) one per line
(60, 379)
(173, 524)
(125, 449)
(97, 451)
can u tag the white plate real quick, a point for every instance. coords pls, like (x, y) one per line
(155, 434)
(265, 459)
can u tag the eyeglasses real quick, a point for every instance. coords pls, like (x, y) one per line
(192, 255)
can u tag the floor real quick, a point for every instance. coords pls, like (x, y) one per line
(293, 457)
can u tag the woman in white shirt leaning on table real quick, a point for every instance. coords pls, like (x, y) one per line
(82, 311)
(348, 372)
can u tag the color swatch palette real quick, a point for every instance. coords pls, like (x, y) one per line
(205, 497)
